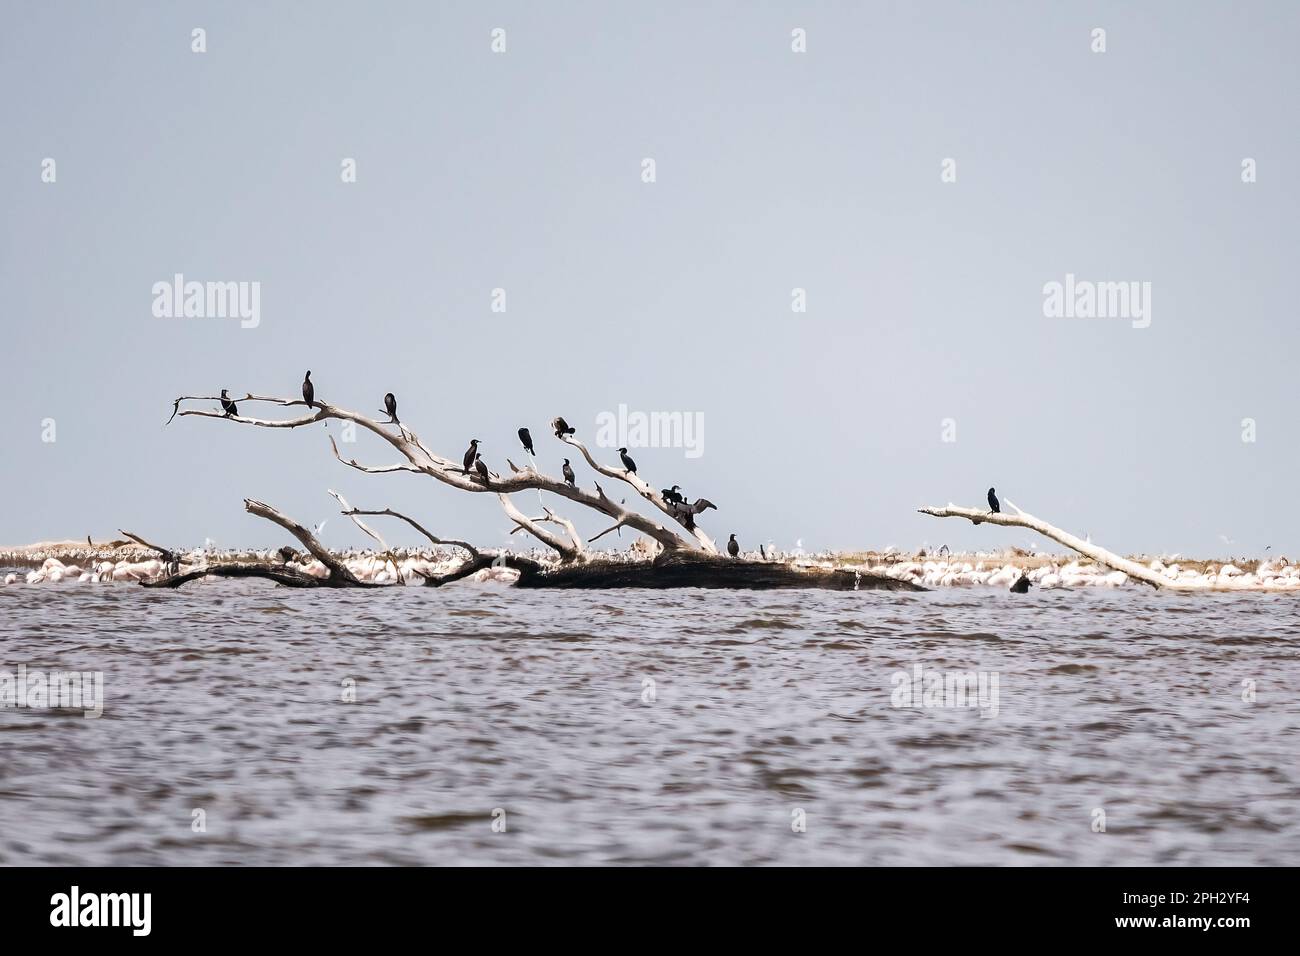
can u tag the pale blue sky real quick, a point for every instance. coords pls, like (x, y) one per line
(775, 170)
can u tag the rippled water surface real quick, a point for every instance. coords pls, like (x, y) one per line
(227, 698)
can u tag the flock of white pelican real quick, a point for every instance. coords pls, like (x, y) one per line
(410, 566)
(369, 567)
(1278, 575)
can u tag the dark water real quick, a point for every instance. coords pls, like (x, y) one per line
(226, 698)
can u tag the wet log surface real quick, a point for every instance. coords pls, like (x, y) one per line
(280, 574)
(682, 570)
(674, 570)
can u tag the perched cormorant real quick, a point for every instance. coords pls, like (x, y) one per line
(527, 441)
(628, 463)
(287, 554)
(993, 502)
(482, 469)
(568, 474)
(390, 406)
(308, 390)
(733, 549)
(562, 428)
(1021, 586)
(701, 504)
(227, 405)
(672, 496)
(470, 454)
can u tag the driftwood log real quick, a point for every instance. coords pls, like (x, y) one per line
(682, 553)
(1108, 559)
(339, 576)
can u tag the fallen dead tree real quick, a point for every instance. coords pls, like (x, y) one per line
(682, 570)
(1109, 559)
(338, 575)
(682, 553)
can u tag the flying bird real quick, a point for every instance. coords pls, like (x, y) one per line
(568, 474)
(562, 428)
(308, 390)
(470, 454)
(526, 440)
(390, 406)
(733, 548)
(993, 502)
(227, 405)
(628, 463)
(482, 469)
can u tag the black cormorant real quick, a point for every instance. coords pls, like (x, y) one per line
(1021, 586)
(227, 405)
(562, 428)
(993, 502)
(390, 406)
(527, 441)
(308, 390)
(671, 495)
(701, 504)
(628, 463)
(482, 470)
(287, 554)
(733, 549)
(470, 454)
(568, 474)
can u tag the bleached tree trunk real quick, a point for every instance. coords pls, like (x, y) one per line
(655, 498)
(1103, 557)
(419, 460)
(686, 560)
(339, 576)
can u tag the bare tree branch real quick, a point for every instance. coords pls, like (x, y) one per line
(706, 543)
(338, 570)
(1103, 557)
(448, 542)
(567, 550)
(371, 469)
(614, 527)
(348, 510)
(168, 555)
(452, 473)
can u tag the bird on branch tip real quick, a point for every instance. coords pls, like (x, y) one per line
(562, 428)
(390, 406)
(308, 390)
